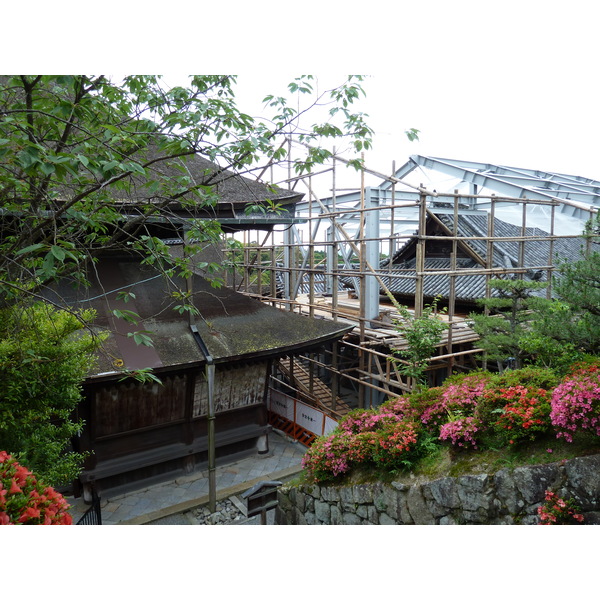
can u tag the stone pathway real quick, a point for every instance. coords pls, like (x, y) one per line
(174, 502)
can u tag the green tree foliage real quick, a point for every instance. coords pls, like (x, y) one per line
(86, 163)
(511, 312)
(422, 335)
(44, 357)
(76, 150)
(579, 285)
(547, 333)
(569, 327)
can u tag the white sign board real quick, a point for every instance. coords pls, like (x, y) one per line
(306, 416)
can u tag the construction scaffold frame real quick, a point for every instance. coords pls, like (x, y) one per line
(338, 265)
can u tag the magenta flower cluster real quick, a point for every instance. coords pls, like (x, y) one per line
(576, 403)
(466, 411)
(456, 399)
(368, 420)
(461, 432)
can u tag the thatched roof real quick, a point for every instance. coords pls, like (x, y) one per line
(234, 191)
(228, 197)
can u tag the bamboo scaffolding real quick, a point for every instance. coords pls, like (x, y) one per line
(374, 371)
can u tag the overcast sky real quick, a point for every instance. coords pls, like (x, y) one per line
(466, 117)
(512, 82)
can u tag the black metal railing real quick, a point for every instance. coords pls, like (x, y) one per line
(93, 515)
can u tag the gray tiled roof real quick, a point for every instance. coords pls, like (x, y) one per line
(400, 279)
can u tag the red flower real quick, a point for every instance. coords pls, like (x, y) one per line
(30, 513)
(24, 500)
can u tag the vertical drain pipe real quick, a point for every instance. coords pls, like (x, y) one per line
(210, 378)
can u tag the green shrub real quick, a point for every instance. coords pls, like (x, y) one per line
(538, 377)
(471, 412)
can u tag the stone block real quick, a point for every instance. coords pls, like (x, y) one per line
(402, 495)
(281, 517)
(392, 505)
(532, 482)
(583, 481)
(441, 496)
(309, 519)
(351, 519)
(530, 520)
(417, 508)
(508, 499)
(362, 511)
(447, 520)
(336, 516)
(372, 515)
(384, 519)
(380, 502)
(322, 512)
(311, 490)
(347, 499)
(301, 502)
(591, 517)
(284, 499)
(474, 493)
(363, 494)
(330, 494)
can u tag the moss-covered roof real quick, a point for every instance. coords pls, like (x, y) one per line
(233, 327)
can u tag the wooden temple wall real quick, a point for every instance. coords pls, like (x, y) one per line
(142, 430)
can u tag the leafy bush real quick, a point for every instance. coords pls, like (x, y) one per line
(556, 511)
(576, 403)
(24, 500)
(396, 447)
(474, 411)
(382, 440)
(361, 420)
(538, 377)
(461, 432)
(457, 399)
(501, 332)
(516, 413)
(44, 358)
(403, 406)
(422, 335)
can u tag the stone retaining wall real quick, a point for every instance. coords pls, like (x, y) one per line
(508, 497)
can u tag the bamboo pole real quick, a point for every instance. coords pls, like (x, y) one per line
(341, 243)
(362, 280)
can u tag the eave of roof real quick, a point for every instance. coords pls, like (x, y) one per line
(234, 327)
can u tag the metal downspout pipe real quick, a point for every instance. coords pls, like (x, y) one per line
(210, 378)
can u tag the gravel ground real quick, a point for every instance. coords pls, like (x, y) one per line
(230, 511)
